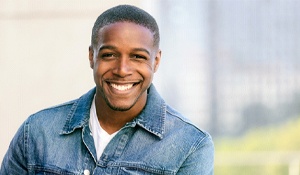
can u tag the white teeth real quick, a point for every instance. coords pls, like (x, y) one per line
(122, 87)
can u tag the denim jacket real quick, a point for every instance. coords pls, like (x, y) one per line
(58, 141)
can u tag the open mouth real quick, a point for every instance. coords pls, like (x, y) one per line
(122, 87)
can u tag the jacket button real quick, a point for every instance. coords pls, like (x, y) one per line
(86, 172)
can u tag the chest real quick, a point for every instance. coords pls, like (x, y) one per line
(131, 151)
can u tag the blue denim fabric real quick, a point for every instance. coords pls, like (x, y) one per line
(58, 141)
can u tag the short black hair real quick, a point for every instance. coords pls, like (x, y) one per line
(125, 13)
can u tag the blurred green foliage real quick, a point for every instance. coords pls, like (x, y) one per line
(283, 138)
(252, 170)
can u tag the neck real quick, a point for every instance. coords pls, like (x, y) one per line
(113, 120)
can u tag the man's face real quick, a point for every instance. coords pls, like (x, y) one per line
(124, 62)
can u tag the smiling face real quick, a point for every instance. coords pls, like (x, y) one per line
(123, 63)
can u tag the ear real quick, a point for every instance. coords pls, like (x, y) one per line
(157, 60)
(91, 57)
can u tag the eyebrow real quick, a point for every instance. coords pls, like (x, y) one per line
(142, 50)
(107, 47)
(110, 47)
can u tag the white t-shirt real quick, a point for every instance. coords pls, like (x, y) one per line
(101, 137)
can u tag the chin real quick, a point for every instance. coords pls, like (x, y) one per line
(120, 108)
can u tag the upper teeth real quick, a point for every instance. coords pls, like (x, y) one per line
(122, 87)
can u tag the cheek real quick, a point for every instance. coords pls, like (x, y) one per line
(147, 70)
(150, 66)
(100, 70)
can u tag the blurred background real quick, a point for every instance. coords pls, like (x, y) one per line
(231, 66)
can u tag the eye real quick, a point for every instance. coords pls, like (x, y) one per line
(108, 55)
(137, 56)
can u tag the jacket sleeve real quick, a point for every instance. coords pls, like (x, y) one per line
(201, 159)
(14, 161)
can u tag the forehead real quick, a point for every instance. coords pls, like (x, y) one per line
(126, 30)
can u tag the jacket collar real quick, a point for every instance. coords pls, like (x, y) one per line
(152, 118)
(80, 113)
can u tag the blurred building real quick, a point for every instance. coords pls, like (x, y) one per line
(231, 65)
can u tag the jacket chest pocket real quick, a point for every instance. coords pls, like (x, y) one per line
(38, 170)
(52, 173)
(141, 171)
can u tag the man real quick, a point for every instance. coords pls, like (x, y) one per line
(120, 127)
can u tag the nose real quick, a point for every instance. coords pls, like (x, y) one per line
(122, 67)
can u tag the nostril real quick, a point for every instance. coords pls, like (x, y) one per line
(122, 68)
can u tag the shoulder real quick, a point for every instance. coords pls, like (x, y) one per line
(51, 113)
(38, 125)
(46, 126)
(186, 129)
(193, 144)
(47, 123)
(67, 109)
